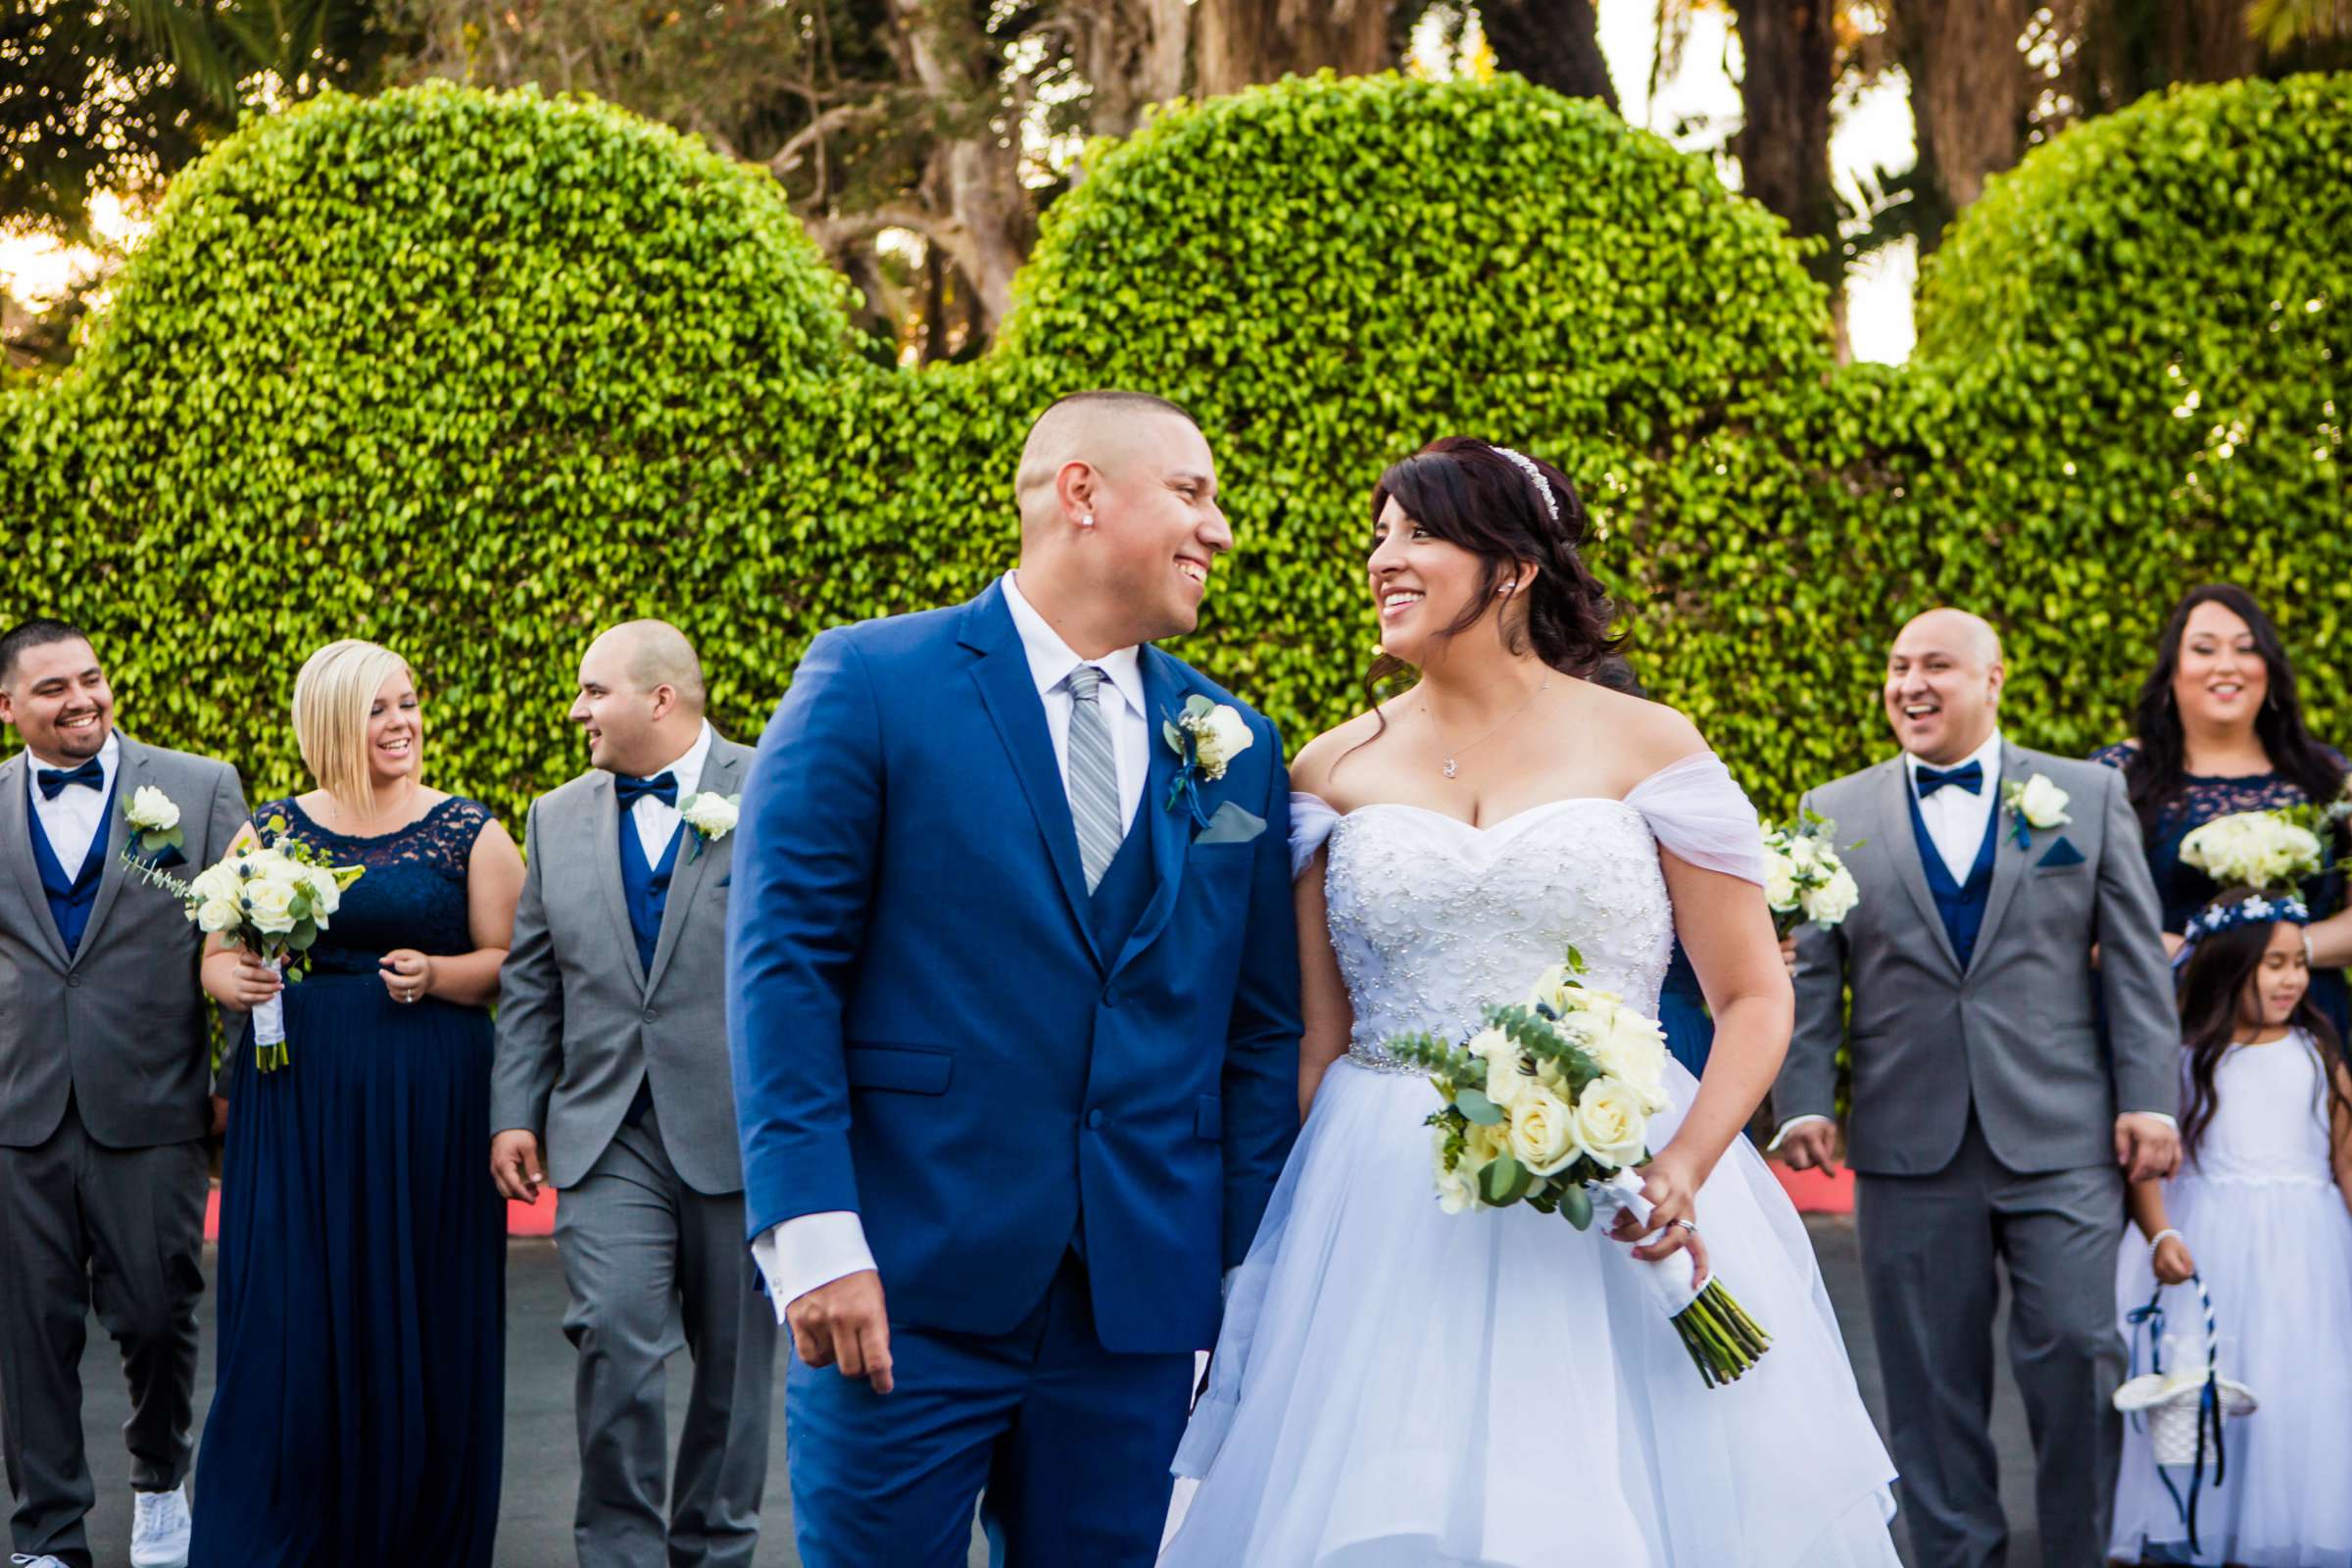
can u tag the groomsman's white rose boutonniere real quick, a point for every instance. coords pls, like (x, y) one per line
(1804, 879)
(2036, 802)
(154, 820)
(709, 818)
(1205, 737)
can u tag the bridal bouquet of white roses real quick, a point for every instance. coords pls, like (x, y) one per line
(2268, 850)
(1804, 879)
(1549, 1104)
(271, 898)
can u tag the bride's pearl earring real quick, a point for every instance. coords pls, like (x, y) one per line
(1087, 521)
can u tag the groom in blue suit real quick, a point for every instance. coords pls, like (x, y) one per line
(1012, 1003)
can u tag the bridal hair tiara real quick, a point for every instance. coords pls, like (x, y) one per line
(1527, 465)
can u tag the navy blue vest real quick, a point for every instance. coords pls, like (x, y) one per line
(1962, 906)
(1125, 891)
(71, 898)
(646, 888)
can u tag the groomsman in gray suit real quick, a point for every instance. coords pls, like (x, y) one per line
(612, 1086)
(1989, 1119)
(104, 1073)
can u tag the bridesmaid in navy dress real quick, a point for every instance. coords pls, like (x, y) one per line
(356, 1417)
(2220, 730)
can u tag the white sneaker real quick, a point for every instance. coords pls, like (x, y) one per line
(18, 1561)
(159, 1529)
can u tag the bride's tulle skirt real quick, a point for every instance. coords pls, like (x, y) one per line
(1399, 1386)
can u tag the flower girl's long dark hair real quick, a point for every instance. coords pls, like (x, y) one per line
(2211, 982)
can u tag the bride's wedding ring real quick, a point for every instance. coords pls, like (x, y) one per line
(1685, 1224)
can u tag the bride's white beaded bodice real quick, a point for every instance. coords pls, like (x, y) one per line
(1432, 919)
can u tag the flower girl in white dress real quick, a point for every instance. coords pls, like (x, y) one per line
(2262, 1210)
(1399, 1387)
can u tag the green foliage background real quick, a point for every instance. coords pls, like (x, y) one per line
(476, 375)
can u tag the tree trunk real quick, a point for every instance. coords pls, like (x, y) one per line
(1970, 91)
(974, 176)
(1789, 54)
(1133, 52)
(1238, 44)
(1553, 43)
(2130, 48)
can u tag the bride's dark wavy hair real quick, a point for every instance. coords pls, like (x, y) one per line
(2212, 980)
(1468, 494)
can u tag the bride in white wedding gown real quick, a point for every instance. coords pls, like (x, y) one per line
(1395, 1386)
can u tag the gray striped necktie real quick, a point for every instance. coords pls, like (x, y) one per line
(1094, 777)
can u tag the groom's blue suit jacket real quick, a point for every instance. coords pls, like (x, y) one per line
(923, 1031)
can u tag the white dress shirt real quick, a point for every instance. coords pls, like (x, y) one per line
(1957, 821)
(76, 819)
(656, 820)
(801, 1254)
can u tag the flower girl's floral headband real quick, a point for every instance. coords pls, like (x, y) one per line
(2260, 909)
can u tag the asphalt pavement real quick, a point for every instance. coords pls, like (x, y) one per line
(541, 1468)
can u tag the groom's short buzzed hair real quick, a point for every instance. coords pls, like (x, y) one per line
(1111, 400)
(1050, 435)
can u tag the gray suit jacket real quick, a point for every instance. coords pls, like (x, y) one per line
(580, 1021)
(120, 1026)
(2017, 1034)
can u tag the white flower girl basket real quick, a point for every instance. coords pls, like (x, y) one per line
(2183, 1410)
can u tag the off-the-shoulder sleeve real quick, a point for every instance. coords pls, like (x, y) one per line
(2119, 756)
(1312, 822)
(1695, 809)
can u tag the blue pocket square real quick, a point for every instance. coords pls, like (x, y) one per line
(2062, 853)
(164, 861)
(1231, 825)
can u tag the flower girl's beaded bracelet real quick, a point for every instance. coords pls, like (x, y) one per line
(2162, 1236)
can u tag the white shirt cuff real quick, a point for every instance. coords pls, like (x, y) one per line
(2159, 1115)
(801, 1254)
(1794, 1121)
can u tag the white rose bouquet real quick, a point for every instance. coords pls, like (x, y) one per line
(1549, 1104)
(1804, 879)
(2268, 850)
(271, 897)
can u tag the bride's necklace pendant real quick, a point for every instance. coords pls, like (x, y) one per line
(1449, 767)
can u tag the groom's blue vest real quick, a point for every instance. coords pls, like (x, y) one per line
(1961, 905)
(71, 898)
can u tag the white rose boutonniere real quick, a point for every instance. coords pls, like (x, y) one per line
(710, 816)
(2036, 802)
(1205, 737)
(154, 820)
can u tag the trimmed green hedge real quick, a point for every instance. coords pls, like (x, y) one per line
(475, 374)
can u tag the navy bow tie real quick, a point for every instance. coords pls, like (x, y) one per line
(56, 781)
(662, 787)
(1970, 778)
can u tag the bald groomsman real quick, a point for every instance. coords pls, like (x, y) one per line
(104, 1073)
(1993, 1124)
(612, 1086)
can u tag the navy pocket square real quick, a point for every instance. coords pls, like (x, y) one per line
(1231, 825)
(164, 860)
(2062, 853)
